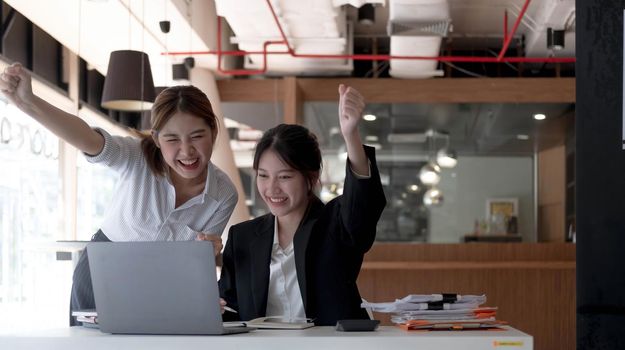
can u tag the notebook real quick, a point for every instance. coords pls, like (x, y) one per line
(156, 288)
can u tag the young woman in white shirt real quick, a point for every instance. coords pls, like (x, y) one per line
(168, 189)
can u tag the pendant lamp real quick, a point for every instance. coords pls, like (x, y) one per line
(433, 197)
(128, 85)
(430, 174)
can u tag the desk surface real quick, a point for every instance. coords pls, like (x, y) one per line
(325, 338)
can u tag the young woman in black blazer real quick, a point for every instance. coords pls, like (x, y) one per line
(303, 259)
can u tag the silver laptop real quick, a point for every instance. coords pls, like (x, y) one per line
(156, 288)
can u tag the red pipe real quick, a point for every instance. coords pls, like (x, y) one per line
(239, 71)
(368, 57)
(514, 28)
(505, 25)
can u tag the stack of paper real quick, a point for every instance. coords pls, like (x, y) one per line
(88, 318)
(439, 311)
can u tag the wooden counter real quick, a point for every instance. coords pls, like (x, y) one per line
(533, 284)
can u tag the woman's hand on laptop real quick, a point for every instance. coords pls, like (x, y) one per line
(215, 238)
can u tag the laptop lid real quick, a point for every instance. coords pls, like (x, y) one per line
(156, 287)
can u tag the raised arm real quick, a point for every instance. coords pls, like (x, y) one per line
(362, 201)
(15, 84)
(351, 105)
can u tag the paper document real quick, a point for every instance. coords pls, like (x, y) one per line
(451, 325)
(85, 313)
(277, 322)
(415, 302)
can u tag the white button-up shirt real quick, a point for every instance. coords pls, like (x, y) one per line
(143, 206)
(284, 298)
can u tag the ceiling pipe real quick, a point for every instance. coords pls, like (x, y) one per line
(514, 28)
(368, 57)
(505, 26)
(220, 53)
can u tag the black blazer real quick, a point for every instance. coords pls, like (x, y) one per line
(329, 246)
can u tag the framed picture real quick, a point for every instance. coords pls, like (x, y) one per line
(507, 206)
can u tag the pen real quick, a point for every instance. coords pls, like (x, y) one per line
(228, 308)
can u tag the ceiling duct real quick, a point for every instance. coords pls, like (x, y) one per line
(436, 28)
(311, 27)
(416, 28)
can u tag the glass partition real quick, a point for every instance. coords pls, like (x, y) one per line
(491, 190)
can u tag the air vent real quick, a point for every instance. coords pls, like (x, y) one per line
(438, 28)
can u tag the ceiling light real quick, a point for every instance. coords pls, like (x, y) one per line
(371, 138)
(539, 116)
(430, 174)
(433, 197)
(128, 85)
(446, 158)
(369, 117)
(413, 188)
(522, 137)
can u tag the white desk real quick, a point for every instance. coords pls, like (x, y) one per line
(318, 338)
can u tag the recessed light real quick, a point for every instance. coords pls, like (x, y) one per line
(539, 116)
(369, 117)
(522, 137)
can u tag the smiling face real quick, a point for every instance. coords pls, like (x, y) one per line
(186, 143)
(284, 189)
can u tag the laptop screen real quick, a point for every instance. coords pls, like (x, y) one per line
(155, 287)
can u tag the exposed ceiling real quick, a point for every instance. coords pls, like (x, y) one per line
(476, 28)
(94, 28)
(469, 28)
(323, 33)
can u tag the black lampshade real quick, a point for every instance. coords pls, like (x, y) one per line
(366, 14)
(179, 71)
(128, 85)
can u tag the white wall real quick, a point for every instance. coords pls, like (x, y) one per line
(467, 187)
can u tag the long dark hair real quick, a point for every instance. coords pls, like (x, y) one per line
(296, 146)
(185, 99)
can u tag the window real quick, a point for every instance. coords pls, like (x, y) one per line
(32, 283)
(95, 191)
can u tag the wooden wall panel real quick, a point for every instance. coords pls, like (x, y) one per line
(551, 175)
(551, 194)
(532, 284)
(514, 90)
(535, 90)
(490, 252)
(250, 90)
(293, 104)
(551, 222)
